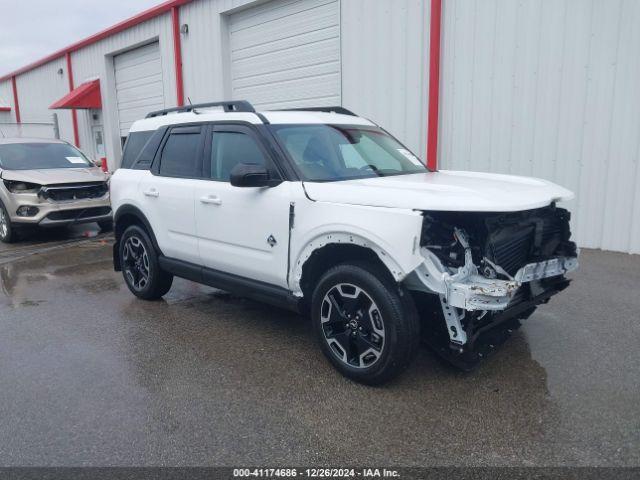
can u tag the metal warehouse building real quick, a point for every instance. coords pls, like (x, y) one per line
(546, 88)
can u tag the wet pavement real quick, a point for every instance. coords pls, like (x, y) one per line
(89, 375)
(46, 239)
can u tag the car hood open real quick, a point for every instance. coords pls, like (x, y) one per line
(56, 175)
(442, 191)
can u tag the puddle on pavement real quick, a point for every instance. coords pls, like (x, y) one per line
(77, 266)
(36, 241)
(37, 270)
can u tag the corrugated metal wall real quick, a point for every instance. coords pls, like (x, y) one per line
(385, 52)
(549, 88)
(139, 84)
(6, 100)
(39, 88)
(205, 59)
(532, 87)
(6, 97)
(382, 75)
(8, 125)
(37, 130)
(96, 60)
(286, 54)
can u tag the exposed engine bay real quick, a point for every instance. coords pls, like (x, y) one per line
(490, 270)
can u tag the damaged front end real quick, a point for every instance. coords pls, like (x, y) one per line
(484, 272)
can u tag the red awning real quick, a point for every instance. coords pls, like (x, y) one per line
(84, 96)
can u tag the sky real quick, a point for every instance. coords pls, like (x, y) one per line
(32, 29)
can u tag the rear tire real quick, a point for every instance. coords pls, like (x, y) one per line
(7, 230)
(140, 267)
(366, 325)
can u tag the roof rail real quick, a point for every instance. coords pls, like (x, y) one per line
(340, 110)
(228, 106)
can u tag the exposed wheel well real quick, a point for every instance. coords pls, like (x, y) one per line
(127, 216)
(125, 221)
(322, 259)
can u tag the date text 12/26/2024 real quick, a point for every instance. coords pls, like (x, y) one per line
(315, 473)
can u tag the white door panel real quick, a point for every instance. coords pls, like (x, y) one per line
(234, 227)
(242, 230)
(169, 206)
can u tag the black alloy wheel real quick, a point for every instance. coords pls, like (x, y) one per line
(140, 267)
(353, 326)
(366, 323)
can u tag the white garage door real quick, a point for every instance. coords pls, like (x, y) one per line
(139, 87)
(286, 54)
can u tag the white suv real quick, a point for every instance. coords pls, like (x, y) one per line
(324, 212)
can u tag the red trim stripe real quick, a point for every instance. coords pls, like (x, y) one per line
(74, 114)
(118, 27)
(177, 54)
(434, 84)
(16, 102)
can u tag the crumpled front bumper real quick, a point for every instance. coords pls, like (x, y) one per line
(480, 293)
(466, 290)
(469, 290)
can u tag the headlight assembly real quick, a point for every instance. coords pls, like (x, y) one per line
(15, 186)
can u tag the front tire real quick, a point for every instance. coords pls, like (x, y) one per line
(367, 327)
(140, 267)
(7, 230)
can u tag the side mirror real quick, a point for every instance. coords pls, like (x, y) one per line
(252, 175)
(98, 163)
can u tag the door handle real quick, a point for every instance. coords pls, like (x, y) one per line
(152, 192)
(211, 200)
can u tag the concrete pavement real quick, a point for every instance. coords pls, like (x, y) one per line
(91, 376)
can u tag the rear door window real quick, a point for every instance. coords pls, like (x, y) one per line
(181, 153)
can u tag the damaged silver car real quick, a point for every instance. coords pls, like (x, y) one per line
(49, 183)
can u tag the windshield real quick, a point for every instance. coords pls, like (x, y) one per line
(35, 156)
(333, 152)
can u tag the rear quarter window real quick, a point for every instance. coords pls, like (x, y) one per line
(134, 145)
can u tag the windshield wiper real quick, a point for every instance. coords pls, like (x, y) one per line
(384, 172)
